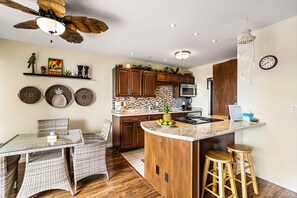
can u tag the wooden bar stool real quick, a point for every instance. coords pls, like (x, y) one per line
(243, 151)
(220, 175)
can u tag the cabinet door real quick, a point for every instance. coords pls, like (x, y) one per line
(149, 84)
(121, 84)
(191, 79)
(173, 78)
(139, 136)
(127, 134)
(162, 77)
(135, 82)
(183, 79)
(178, 115)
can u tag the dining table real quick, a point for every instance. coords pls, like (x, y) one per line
(32, 143)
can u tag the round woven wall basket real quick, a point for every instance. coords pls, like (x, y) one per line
(84, 97)
(30, 95)
(59, 96)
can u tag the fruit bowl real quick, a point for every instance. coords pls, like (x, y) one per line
(164, 123)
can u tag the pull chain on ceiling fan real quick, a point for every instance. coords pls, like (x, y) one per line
(52, 20)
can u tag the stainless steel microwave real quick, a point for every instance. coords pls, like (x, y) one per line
(188, 90)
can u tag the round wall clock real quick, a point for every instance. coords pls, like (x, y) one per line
(268, 62)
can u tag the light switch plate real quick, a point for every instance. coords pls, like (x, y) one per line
(294, 108)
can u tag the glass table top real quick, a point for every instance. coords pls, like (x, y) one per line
(33, 142)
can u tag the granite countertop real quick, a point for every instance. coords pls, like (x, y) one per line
(143, 112)
(190, 132)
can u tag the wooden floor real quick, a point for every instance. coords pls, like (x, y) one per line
(124, 182)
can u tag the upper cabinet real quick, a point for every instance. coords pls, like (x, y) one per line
(127, 82)
(186, 79)
(139, 83)
(167, 78)
(149, 84)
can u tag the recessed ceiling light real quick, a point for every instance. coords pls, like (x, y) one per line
(165, 59)
(131, 53)
(214, 41)
(195, 34)
(172, 25)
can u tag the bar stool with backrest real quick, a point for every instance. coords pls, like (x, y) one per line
(221, 172)
(243, 151)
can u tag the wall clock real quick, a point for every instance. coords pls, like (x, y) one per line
(268, 62)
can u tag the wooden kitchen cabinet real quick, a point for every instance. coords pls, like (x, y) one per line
(186, 79)
(155, 117)
(127, 132)
(178, 115)
(149, 84)
(167, 78)
(127, 82)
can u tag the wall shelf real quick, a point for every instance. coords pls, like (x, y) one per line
(49, 75)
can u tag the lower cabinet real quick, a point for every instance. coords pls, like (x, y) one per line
(127, 133)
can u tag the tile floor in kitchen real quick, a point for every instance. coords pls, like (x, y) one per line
(135, 159)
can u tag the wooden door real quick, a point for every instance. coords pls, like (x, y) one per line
(224, 86)
(135, 82)
(127, 135)
(121, 83)
(139, 136)
(149, 84)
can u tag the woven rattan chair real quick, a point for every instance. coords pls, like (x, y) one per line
(89, 159)
(44, 127)
(47, 170)
(8, 174)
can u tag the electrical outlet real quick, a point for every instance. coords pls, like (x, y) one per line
(157, 104)
(157, 170)
(166, 177)
(294, 108)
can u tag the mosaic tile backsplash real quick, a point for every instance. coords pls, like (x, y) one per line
(164, 95)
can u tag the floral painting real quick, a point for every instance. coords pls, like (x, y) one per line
(55, 66)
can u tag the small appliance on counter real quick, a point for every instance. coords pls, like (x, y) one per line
(187, 104)
(119, 106)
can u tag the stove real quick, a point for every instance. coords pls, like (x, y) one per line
(197, 120)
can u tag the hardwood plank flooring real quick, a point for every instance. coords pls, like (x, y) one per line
(124, 182)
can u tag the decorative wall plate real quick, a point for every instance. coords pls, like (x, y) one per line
(59, 96)
(84, 97)
(30, 95)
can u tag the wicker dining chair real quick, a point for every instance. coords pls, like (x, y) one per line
(47, 170)
(90, 158)
(8, 174)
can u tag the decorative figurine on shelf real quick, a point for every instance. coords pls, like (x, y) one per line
(79, 73)
(86, 71)
(31, 62)
(43, 69)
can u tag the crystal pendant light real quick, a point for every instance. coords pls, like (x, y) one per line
(246, 54)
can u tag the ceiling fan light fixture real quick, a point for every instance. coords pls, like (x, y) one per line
(182, 55)
(50, 26)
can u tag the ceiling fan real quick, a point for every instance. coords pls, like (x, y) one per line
(52, 20)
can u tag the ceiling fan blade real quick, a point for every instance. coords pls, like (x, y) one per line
(27, 25)
(72, 36)
(57, 6)
(18, 6)
(87, 25)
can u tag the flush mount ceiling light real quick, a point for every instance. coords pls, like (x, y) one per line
(172, 25)
(50, 26)
(182, 55)
(214, 40)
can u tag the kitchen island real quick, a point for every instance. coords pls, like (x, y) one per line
(174, 156)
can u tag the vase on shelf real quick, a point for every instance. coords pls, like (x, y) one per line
(79, 72)
(86, 71)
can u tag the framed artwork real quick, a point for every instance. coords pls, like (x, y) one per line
(55, 66)
(235, 112)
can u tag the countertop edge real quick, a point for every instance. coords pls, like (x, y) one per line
(153, 113)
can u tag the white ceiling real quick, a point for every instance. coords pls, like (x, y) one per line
(142, 27)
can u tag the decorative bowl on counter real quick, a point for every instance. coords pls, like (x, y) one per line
(164, 123)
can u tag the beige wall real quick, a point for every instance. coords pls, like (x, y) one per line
(18, 117)
(271, 97)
